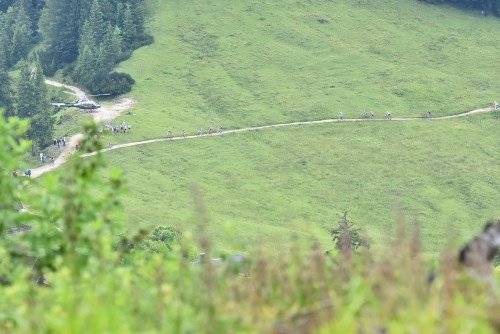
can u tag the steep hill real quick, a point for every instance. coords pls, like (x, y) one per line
(253, 63)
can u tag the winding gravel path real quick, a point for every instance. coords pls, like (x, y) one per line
(110, 113)
(282, 125)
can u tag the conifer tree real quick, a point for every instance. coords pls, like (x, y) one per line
(42, 123)
(137, 7)
(24, 103)
(87, 38)
(4, 49)
(97, 23)
(32, 102)
(60, 30)
(32, 9)
(20, 42)
(120, 14)
(86, 66)
(129, 30)
(110, 49)
(5, 92)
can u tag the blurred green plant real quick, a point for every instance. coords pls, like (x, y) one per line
(162, 240)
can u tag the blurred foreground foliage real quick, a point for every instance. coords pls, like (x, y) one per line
(100, 281)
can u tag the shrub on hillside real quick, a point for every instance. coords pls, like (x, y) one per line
(113, 83)
(162, 240)
(141, 40)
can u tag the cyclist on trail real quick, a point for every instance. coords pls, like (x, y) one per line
(388, 115)
(372, 115)
(341, 116)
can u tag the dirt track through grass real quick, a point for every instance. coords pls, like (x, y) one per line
(280, 125)
(109, 113)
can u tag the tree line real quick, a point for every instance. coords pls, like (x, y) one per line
(486, 6)
(84, 39)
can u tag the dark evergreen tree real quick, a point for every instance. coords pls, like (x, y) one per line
(137, 7)
(129, 30)
(24, 102)
(32, 102)
(120, 15)
(110, 49)
(5, 93)
(21, 37)
(97, 23)
(4, 49)
(42, 122)
(60, 30)
(86, 66)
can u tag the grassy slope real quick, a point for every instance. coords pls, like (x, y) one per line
(261, 188)
(249, 63)
(256, 63)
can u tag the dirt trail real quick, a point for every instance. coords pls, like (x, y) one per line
(281, 125)
(105, 113)
(77, 91)
(66, 152)
(111, 112)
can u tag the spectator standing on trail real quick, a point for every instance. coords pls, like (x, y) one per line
(64, 141)
(41, 157)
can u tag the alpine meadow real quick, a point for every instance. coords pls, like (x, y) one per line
(248, 64)
(225, 166)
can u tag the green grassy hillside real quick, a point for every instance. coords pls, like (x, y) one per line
(244, 64)
(267, 187)
(250, 63)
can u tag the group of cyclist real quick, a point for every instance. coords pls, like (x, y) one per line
(200, 132)
(368, 115)
(388, 115)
